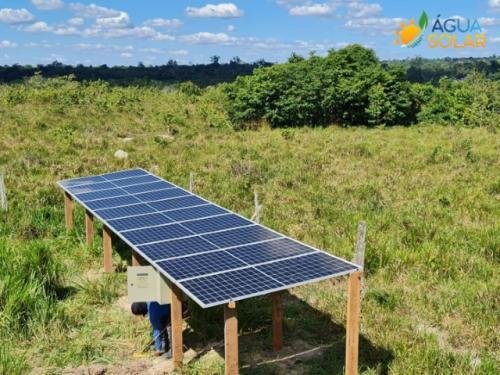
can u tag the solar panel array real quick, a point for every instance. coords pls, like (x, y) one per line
(211, 253)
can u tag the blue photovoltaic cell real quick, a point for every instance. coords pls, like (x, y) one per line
(82, 181)
(100, 194)
(114, 213)
(160, 194)
(165, 232)
(230, 285)
(240, 236)
(135, 180)
(142, 188)
(269, 251)
(175, 248)
(304, 268)
(91, 187)
(213, 224)
(125, 200)
(141, 221)
(195, 212)
(172, 204)
(201, 264)
(124, 174)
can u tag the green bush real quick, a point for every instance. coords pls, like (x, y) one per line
(473, 101)
(348, 86)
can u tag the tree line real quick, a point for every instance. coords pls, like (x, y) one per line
(415, 70)
(169, 73)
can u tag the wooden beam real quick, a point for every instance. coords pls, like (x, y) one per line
(191, 182)
(108, 251)
(89, 228)
(136, 258)
(277, 321)
(352, 326)
(360, 244)
(176, 321)
(231, 338)
(68, 211)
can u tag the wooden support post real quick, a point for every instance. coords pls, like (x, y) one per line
(258, 207)
(231, 338)
(68, 211)
(191, 182)
(277, 321)
(360, 244)
(3, 194)
(89, 228)
(352, 326)
(176, 321)
(108, 251)
(136, 258)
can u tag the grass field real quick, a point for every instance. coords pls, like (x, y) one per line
(429, 194)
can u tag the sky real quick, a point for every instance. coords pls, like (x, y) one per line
(126, 32)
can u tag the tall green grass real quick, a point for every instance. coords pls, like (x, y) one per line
(428, 193)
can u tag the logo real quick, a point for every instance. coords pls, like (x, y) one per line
(453, 32)
(411, 35)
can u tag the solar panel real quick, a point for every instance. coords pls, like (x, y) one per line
(196, 212)
(212, 254)
(269, 250)
(139, 221)
(157, 195)
(232, 285)
(100, 194)
(176, 248)
(202, 264)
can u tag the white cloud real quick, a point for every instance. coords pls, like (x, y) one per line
(92, 11)
(209, 38)
(13, 16)
(223, 10)
(65, 30)
(44, 44)
(140, 32)
(152, 50)
(359, 10)
(312, 10)
(126, 55)
(375, 24)
(47, 4)
(179, 52)
(7, 44)
(488, 21)
(88, 46)
(38, 27)
(121, 20)
(495, 4)
(231, 28)
(75, 21)
(173, 23)
(459, 17)
(495, 39)
(100, 47)
(54, 57)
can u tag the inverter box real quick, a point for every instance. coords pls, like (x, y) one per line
(145, 284)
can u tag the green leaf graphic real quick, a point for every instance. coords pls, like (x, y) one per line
(423, 21)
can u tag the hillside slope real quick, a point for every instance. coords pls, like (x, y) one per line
(429, 195)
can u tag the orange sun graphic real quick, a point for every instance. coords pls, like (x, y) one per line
(410, 35)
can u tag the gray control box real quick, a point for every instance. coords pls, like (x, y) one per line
(145, 284)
